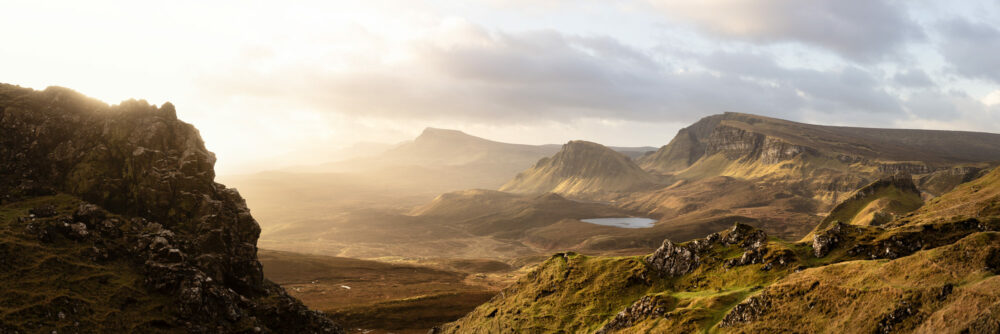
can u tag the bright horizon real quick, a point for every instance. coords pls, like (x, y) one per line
(269, 84)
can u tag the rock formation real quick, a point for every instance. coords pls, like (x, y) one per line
(136, 163)
(676, 260)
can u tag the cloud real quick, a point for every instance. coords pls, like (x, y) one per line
(866, 30)
(466, 73)
(849, 89)
(952, 110)
(992, 99)
(971, 48)
(914, 78)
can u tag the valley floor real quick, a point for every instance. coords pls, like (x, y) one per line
(379, 297)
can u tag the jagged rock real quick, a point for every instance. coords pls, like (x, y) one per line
(645, 307)
(752, 256)
(675, 260)
(824, 241)
(908, 241)
(192, 237)
(888, 323)
(745, 236)
(748, 310)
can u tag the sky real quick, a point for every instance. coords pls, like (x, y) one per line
(277, 83)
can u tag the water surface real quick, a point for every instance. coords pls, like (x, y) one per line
(626, 222)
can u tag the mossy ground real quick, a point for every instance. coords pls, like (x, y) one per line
(56, 286)
(841, 292)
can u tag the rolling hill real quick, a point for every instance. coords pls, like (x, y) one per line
(582, 168)
(936, 270)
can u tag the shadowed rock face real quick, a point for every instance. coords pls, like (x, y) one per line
(140, 161)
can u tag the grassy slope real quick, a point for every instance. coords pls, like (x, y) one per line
(854, 296)
(978, 198)
(881, 200)
(578, 294)
(841, 292)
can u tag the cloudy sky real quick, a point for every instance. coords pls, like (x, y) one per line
(271, 83)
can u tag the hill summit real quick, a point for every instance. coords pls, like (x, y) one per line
(581, 167)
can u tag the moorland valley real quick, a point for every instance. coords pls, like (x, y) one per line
(112, 217)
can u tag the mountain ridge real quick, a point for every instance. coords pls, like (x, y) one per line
(777, 139)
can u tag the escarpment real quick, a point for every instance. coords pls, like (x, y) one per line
(145, 179)
(759, 144)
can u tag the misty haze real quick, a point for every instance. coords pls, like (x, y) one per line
(500, 166)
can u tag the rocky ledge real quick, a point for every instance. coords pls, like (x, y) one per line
(194, 238)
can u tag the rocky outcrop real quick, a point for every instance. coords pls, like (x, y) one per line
(646, 307)
(895, 243)
(824, 241)
(747, 311)
(672, 259)
(675, 260)
(889, 322)
(194, 238)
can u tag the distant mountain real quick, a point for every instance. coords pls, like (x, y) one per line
(777, 175)
(824, 162)
(444, 147)
(582, 167)
(748, 138)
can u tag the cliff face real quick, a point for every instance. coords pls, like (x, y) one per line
(136, 160)
(581, 168)
(750, 138)
(719, 135)
(819, 163)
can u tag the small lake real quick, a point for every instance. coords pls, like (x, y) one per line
(627, 222)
